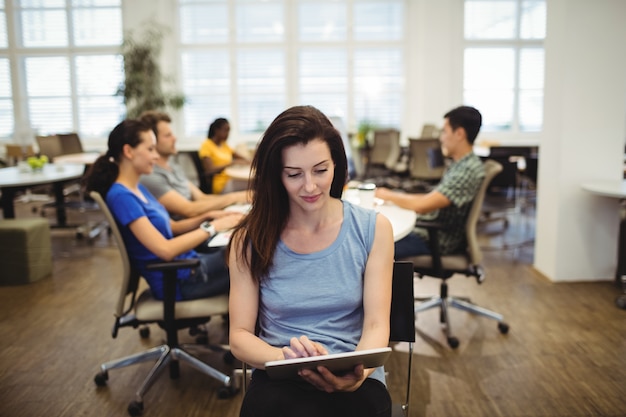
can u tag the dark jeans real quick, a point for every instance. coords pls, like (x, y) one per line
(209, 279)
(411, 245)
(296, 398)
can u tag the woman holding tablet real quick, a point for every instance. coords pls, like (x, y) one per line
(310, 275)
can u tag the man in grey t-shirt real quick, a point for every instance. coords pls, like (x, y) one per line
(169, 184)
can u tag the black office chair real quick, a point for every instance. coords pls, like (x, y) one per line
(468, 263)
(402, 328)
(402, 323)
(135, 310)
(205, 181)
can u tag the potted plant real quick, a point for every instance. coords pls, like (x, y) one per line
(364, 130)
(143, 86)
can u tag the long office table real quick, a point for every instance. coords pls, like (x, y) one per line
(13, 179)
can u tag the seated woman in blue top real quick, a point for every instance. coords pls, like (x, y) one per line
(310, 275)
(149, 233)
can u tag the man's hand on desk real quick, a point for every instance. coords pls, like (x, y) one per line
(227, 221)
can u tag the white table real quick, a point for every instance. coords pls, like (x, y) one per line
(12, 179)
(238, 172)
(612, 189)
(606, 188)
(402, 220)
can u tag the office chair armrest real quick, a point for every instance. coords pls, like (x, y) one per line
(169, 292)
(433, 241)
(172, 265)
(429, 225)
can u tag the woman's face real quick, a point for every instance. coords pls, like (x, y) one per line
(221, 133)
(144, 155)
(308, 172)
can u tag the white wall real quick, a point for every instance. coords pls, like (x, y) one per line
(583, 139)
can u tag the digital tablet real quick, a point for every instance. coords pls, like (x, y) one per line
(336, 362)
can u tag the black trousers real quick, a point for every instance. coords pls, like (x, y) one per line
(266, 397)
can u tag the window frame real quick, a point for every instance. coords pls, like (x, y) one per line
(517, 44)
(17, 54)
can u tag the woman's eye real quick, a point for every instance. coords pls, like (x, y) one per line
(321, 171)
(293, 175)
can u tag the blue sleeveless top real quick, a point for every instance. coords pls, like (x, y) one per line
(320, 294)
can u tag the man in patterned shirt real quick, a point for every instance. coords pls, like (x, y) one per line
(449, 203)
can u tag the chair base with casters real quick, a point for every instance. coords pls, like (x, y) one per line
(445, 302)
(137, 310)
(466, 262)
(170, 353)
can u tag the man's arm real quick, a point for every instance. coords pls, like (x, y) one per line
(419, 203)
(177, 204)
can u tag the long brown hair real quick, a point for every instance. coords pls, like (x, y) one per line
(260, 230)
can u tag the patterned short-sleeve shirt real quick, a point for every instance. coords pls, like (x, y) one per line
(459, 184)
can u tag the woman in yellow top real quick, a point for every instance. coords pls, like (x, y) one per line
(216, 154)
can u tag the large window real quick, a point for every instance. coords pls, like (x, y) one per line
(67, 66)
(250, 60)
(504, 62)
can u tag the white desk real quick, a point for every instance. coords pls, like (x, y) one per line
(238, 172)
(402, 220)
(606, 188)
(13, 180)
(612, 189)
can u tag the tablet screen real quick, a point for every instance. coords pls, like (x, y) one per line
(336, 363)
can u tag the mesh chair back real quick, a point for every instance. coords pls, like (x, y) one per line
(49, 146)
(492, 168)
(70, 143)
(386, 148)
(425, 159)
(130, 279)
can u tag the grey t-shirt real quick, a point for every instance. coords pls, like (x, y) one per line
(161, 180)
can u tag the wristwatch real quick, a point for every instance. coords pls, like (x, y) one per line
(209, 228)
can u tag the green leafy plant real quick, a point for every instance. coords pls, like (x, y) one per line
(363, 131)
(143, 86)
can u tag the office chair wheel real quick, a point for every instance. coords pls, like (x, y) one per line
(503, 327)
(135, 408)
(101, 378)
(144, 332)
(226, 392)
(621, 302)
(453, 342)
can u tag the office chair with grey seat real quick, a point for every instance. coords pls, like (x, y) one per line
(467, 262)
(135, 310)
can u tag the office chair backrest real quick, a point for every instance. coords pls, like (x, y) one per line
(70, 143)
(425, 159)
(402, 325)
(49, 146)
(130, 279)
(16, 153)
(205, 182)
(386, 147)
(492, 168)
(430, 131)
